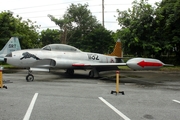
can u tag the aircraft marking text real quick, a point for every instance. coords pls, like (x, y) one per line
(12, 45)
(93, 56)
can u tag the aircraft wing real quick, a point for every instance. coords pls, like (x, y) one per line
(45, 64)
(53, 62)
(135, 63)
(97, 64)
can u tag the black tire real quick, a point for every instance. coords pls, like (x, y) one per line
(29, 78)
(91, 74)
(70, 71)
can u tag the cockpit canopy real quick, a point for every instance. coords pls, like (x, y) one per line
(60, 47)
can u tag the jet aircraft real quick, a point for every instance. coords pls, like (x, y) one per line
(67, 57)
(11, 45)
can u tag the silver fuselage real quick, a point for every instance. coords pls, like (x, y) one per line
(61, 59)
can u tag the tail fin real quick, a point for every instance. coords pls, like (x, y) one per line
(117, 49)
(12, 45)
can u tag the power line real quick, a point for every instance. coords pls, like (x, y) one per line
(28, 9)
(110, 22)
(55, 9)
(98, 12)
(61, 8)
(66, 3)
(47, 5)
(47, 10)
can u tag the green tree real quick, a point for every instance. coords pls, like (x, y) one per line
(25, 30)
(168, 27)
(99, 40)
(76, 22)
(136, 33)
(79, 28)
(50, 37)
(82, 22)
(7, 26)
(64, 28)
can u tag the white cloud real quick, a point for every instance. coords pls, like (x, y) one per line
(37, 10)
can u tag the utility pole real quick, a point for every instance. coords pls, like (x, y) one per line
(103, 13)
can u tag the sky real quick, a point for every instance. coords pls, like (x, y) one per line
(37, 10)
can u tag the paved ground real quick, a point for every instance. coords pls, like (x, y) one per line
(149, 95)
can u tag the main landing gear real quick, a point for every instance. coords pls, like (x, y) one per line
(93, 73)
(29, 77)
(70, 71)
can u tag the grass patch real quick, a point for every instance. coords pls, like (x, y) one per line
(124, 68)
(7, 66)
(173, 68)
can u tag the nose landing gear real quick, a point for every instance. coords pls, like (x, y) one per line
(29, 77)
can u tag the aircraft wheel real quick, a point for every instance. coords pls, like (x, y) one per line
(29, 78)
(91, 74)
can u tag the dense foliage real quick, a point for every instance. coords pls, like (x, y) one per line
(50, 37)
(26, 31)
(167, 27)
(151, 31)
(137, 29)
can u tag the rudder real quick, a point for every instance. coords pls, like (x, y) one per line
(117, 50)
(12, 45)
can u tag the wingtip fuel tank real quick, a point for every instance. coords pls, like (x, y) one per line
(144, 64)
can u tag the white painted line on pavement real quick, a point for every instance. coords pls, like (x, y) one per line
(28, 113)
(113, 108)
(176, 101)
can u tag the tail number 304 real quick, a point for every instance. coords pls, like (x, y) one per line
(93, 56)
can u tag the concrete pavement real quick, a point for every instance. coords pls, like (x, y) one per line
(148, 95)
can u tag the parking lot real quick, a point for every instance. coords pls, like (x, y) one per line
(53, 96)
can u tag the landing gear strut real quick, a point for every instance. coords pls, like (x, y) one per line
(29, 77)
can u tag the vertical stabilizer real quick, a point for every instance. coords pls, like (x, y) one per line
(12, 45)
(117, 49)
